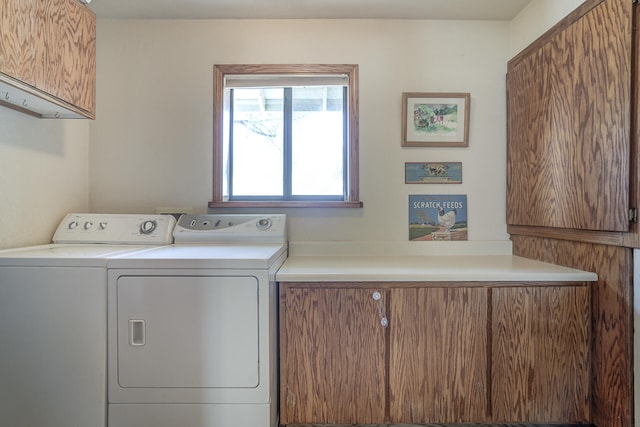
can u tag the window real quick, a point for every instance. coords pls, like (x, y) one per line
(285, 136)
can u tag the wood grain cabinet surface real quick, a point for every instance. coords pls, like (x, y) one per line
(450, 354)
(569, 123)
(438, 355)
(333, 365)
(48, 49)
(573, 178)
(18, 24)
(540, 353)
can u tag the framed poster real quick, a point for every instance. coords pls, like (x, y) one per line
(438, 217)
(435, 119)
(433, 173)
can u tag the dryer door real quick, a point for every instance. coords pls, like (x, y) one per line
(187, 332)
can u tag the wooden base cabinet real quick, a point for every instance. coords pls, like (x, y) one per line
(438, 355)
(541, 354)
(333, 368)
(450, 353)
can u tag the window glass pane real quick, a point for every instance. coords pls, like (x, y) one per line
(317, 141)
(257, 142)
(272, 150)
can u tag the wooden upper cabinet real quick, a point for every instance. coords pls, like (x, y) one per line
(66, 46)
(17, 42)
(569, 123)
(48, 50)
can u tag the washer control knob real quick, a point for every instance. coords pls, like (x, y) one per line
(263, 223)
(103, 225)
(73, 224)
(88, 225)
(148, 226)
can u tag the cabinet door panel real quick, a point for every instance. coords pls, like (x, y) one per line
(332, 361)
(66, 46)
(569, 125)
(438, 355)
(540, 354)
(17, 45)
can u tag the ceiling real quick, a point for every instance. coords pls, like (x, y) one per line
(308, 9)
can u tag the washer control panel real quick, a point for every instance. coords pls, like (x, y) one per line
(236, 228)
(116, 229)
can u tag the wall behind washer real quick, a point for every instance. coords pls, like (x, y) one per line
(151, 144)
(43, 176)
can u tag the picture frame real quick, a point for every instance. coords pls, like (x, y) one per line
(435, 119)
(438, 217)
(433, 173)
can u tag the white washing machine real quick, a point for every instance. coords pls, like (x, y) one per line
(53, 319)
(193, 326)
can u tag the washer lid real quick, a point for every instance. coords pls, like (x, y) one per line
(219, 255)
(63, 255)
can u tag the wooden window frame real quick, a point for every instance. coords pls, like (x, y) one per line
(219, 73)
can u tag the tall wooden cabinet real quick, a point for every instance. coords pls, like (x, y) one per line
(573, 174)
(47, 50)
(451, 353)
(569, 103)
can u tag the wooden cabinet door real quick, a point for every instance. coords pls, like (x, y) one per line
(332, 361)
(540, 354)
(66, 48)
(17, 42)
(438, 355)
(569, 124)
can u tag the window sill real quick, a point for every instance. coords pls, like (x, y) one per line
(287, 204)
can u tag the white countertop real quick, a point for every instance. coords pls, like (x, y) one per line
(331, 265)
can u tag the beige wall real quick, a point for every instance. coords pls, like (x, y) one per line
(155, 87)
(536, 18)
(151, 144)
(43, 175)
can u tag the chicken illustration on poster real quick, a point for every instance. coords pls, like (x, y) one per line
(437, 217)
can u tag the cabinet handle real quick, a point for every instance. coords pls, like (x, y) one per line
(377, 297)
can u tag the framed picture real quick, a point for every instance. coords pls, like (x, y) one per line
(433, 173)
(437, 217)
(435, 119)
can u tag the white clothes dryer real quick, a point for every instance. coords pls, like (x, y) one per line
(53, 318)
(193, 326)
